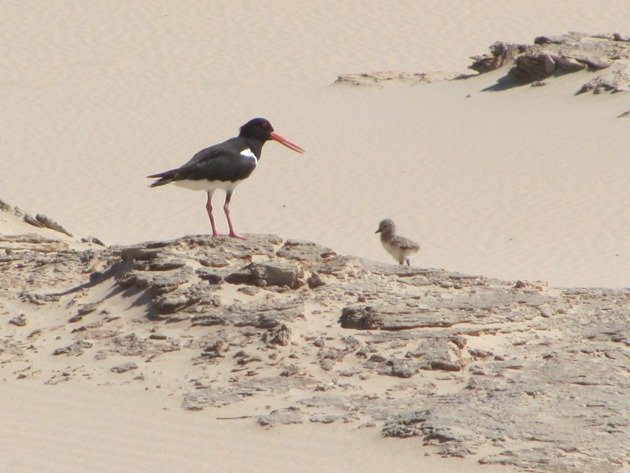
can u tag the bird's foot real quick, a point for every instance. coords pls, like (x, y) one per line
(217, 234)
(237, 235)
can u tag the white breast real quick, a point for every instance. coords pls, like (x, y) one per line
(205, 185)
(248, 154)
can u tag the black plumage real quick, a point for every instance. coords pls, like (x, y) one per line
(224, 165)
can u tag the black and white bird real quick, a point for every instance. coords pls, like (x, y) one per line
(224, 166)
(399, 247)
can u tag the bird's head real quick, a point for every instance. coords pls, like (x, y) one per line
(386, 226)
(260, 129)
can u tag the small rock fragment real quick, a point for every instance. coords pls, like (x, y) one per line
(20, 320)
(124, 367)
(315, 280)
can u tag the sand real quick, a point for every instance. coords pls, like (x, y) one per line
(100, 429)
(518, 184)
(526, 183)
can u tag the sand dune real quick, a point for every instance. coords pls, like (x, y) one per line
(522, 183)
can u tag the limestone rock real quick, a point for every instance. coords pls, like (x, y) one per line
(268, 274)
(304, 251)
(553, 55)
(279, 336)
(19, 321)
(315, 280)
(501, 53)
(386, 317)
(291, 415)
(43, 221)
(75, 348)
(616, 80)
(124, 367)
(550, 395)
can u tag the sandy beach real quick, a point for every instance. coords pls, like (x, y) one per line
(526, 183)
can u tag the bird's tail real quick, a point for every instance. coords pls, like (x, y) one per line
(163, 178)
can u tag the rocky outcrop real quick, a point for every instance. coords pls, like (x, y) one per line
(39, 220)
(501, 54)
(462, 362)
(606, 55)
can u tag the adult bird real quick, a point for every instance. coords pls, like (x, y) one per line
(224, 166)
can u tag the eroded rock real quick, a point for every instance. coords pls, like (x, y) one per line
(291, 415)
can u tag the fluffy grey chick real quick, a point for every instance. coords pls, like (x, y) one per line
(400, 248)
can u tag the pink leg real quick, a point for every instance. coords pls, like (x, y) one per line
(209, 209)
(226, 209)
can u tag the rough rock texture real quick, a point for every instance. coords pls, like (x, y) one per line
(605, 56)
(38, 220)
(608, 56)
(500, 54)
(371, 79)
(538, 375)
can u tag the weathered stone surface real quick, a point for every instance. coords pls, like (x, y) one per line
(85, 309)
(158, 282)
(201, 245)
(552, 55)
(549, 39)
(437, 354)
(315, 280)
(198, 400)
(402, 368)
(124, 367)
(537, 374)
(259, 315)
(212, 276)
(395, 318)
(304, 251)
(279, 336)
(20, 320)
(170, 304)
(291, 415)
(130, 345)
(75, 348)
(405, 425)
(380, 78)
(165, 264)
(334, 265)
(616, 81)
(139, 253)
(43, 221)
(326, 418)
(501, 53)
(290, 370)
(268, 274)
(276, 274)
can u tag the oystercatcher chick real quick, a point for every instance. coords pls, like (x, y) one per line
(224, 166)
(399, 247)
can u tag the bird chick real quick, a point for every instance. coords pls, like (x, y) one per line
(399, 247)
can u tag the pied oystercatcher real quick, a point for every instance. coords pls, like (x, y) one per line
(225, 165)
